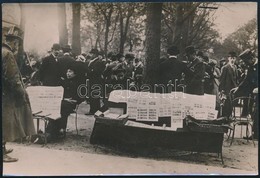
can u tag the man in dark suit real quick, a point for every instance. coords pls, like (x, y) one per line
(171, 70)
(49, 72)
(247, 86)
(96, 67)
(196, 72)
(228, 81)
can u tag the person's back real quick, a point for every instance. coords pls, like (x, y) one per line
(171, 69)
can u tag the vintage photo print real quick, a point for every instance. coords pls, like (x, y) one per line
(129, 88)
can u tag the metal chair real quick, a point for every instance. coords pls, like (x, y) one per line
(241, 115)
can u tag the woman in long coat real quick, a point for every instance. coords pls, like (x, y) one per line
(17, 119)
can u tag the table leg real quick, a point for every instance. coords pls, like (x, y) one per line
(38, 124)
(222, 158)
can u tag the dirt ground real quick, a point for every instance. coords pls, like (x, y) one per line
(241, 155)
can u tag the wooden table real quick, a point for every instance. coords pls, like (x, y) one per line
(115, 133)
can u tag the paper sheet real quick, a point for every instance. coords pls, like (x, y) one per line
(45, 99)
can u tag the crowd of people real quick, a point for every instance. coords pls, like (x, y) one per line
(61, 68)
(198, 74)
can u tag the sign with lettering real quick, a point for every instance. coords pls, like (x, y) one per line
(46, 100)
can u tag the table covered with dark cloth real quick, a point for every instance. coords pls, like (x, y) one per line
(115, 133)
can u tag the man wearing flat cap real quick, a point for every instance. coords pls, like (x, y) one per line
(196, 72)
(228, 80)
(171, 70)
(49, 71)
(249, 83)
(17, 119)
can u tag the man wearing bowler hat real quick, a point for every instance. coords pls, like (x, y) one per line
(171, 70)
(17, 119)
(49, 71)
(228, 81)
(247, 86)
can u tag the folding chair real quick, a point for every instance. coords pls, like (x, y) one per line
(240, 117)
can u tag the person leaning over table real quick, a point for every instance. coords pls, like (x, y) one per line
(17, 119)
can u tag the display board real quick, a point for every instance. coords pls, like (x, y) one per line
(46, 100)
(145, 106)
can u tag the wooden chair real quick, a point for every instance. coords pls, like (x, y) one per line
(240, 117)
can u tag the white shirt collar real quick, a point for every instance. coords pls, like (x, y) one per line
(173, 56)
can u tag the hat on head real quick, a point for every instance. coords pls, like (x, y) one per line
(212, 62)
(81, 58)
(232, 54)
(109, 55)
(73, 66)
(93, 51)
(173, 50)
(200, 54)
(190, 50)
(113, 57)
(119, 55)
(56, 46)
(246, 55)
(129, 56)
(14, 33)
(66, 48)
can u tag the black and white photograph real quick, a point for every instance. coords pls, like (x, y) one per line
(106, 88)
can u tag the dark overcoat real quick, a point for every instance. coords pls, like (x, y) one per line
(249, 83)
(49, 72)
(171, 69)
(195, 77)
(228, 78)
(17, 116)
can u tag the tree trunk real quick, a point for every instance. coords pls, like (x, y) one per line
(121, 45)
(152, 46)
(63, 31)
(108, 23)
(76, 46)
(184, 19)
(20, 59)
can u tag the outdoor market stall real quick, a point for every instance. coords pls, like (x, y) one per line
(160, 121)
